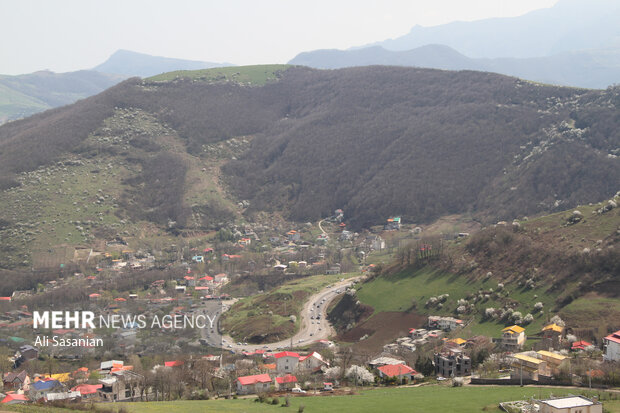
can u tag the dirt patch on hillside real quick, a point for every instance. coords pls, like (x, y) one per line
(382, 328)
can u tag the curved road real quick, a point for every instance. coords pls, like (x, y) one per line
(314, 325)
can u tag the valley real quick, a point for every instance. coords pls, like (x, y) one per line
(329, 220)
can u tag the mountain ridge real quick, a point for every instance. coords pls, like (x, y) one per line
(590, 68)
(184, 154)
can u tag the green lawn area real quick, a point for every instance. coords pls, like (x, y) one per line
(427, 282)
(418, 399)
(407, 399)
(255, 74)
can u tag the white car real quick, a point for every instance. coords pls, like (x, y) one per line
(297, 390)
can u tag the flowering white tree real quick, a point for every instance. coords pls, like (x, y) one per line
(333, 373)
(360, 374)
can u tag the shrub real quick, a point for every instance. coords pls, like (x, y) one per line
(275, 401)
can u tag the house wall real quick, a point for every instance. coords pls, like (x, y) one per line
(612, 352)
(287, 364)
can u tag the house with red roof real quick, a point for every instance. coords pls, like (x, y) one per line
(611, 343)
(312, 362)
(579, 345)
(286, 361)
(14, 399)
(5, 299)
(88, 391)
(206, 279)
(400, 371)
(258, 383)
(286, 382)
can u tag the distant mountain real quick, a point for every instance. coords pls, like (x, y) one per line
(128, 63)
(591, 68)
(570, 25)
(433, 56)
(24, 95)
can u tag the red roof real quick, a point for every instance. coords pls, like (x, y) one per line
(93, 295)
(392, 370)
(580, 345)
(188, 277)
(13, 397)
(208, 250)
(206, 278)
(615, 337)
(175, 363)
(286, 354)
(87, 388)
(5, 298)
(120, 299)
(411, 330)
(201, 288)
(286, 379)
(257, 378)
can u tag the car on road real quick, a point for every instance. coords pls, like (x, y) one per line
(297, 390)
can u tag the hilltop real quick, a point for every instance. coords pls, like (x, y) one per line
(191, 151)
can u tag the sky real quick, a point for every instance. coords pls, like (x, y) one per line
(68, 35)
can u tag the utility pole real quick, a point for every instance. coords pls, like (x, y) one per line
(521, 375)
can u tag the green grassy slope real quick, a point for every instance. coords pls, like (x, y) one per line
(250, 75)
(398, 292)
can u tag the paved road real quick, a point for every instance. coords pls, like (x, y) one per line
(314, 325)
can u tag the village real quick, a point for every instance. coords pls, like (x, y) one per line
(133, 364)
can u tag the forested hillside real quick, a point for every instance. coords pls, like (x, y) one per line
(376, 141)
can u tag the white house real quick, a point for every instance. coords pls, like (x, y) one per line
(258, 383)
(312, 362)
(286, 361)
